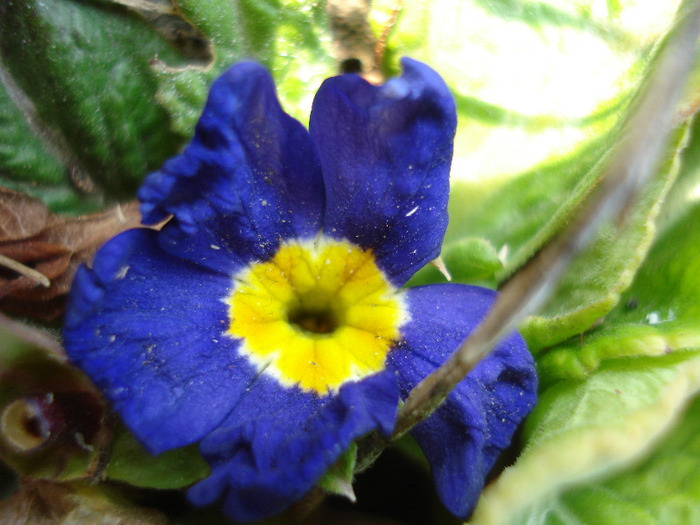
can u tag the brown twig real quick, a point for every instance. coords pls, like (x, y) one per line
(353, 39)
(380, 47)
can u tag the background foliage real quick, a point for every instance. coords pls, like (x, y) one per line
(95, 94)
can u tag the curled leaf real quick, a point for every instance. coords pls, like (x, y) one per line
(32, 422)
(52, 422)
(51, 418)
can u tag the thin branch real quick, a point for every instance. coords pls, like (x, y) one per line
(26, 271)
(631, 167)
(383, 39)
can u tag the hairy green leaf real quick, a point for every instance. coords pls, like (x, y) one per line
(81, 95)
(659, 313)
(591, 428)
(663, 489)
(593, 283)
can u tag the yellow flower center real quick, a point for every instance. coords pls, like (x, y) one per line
(318, 314)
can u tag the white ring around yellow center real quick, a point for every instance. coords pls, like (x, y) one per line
(317, 315)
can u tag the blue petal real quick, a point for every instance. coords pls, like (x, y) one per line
(385, 153)
(278, 442)
(463, 438)
(148, 329)
(249, 179)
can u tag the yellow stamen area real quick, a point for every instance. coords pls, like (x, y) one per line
(318, 314)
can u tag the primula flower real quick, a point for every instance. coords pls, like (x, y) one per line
(267, 321)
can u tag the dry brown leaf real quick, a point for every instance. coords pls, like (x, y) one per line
(49, 503)
(52, 245)
(21, 216)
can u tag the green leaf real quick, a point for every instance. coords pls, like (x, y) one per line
(518, 215)
(289, 38)
(131, 463)
(591, 428)
(663, 489)
(659, 313)
(26, 163)
(592, 285)
(666, 484)
(82, 89)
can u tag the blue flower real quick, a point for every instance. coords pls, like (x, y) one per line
(267, 321)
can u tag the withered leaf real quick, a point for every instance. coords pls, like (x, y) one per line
(21, 216)
(52, 245)
(49, 503)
